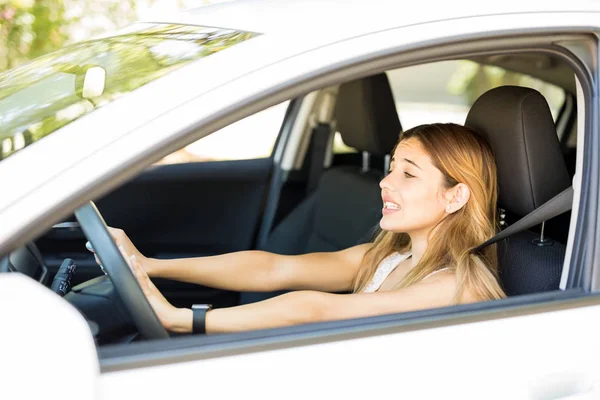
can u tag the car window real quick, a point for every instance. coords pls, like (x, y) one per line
(54, 90)
(250, 138)
(449, 91)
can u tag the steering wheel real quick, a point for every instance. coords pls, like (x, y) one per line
(127, 287)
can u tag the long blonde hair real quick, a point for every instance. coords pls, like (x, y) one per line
(463, 156)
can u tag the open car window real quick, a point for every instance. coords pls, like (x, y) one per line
(453, 86)
(450, 90)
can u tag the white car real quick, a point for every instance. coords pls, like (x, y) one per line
(300, 100)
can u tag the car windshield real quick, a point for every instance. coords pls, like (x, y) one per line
(51, 91)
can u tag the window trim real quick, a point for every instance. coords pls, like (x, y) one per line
(566, 118)
(591, 177)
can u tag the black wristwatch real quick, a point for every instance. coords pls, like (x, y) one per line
(199, 317)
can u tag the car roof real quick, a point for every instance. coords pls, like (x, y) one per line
(338, 19)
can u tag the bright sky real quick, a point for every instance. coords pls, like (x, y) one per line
(95, 21)
(147, 8)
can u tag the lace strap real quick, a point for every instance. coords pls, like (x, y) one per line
(384, 269)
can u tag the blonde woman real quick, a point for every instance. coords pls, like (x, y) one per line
(439, 203)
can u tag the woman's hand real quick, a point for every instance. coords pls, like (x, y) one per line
(172, 318)
(122, 240)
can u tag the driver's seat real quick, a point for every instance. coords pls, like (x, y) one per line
(531, 170)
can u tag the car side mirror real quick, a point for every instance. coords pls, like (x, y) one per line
(46, 344)
(90, 82)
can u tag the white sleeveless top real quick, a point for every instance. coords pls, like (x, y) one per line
(385, 268)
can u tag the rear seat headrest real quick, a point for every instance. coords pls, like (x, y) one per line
(518, 125)
(366, 115)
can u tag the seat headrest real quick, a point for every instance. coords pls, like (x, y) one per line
(519, 127)
(366, 115)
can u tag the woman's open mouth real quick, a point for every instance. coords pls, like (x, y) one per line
(389, 207)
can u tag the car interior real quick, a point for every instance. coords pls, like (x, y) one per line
(308, 197)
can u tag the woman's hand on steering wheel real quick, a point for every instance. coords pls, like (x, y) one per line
(172, 318)
(123, 242)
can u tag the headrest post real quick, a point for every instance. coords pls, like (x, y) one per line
(366, 162)
(543, 241)
(386, 164)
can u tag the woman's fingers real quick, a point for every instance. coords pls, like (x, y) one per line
(141, 275)
(161, 306)
(116, 234)
(127, 259)
(137, 270)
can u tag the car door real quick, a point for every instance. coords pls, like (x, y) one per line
(537, 346)
(202, 200)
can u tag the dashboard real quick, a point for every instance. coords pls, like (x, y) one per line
(96, 299)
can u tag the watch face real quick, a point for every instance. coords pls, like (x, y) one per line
(201, 306)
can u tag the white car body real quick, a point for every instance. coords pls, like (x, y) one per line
(541, 351)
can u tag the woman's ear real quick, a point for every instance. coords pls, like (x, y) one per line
(457, 197)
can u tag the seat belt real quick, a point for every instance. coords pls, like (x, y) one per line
(318, 144)
(319, 140)
(557, 205)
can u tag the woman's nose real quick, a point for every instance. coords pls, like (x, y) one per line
(385, 183)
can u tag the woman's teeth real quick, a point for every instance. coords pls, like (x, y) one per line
(391, 206)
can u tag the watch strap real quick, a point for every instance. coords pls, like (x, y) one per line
(199, 317)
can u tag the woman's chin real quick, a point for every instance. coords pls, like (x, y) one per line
(388, 225)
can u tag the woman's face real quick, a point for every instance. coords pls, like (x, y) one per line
(413, 193)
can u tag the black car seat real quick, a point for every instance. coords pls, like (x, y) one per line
(346, 204)
(531, 170)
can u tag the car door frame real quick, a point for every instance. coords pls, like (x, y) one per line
(131, 150)
(577, 294)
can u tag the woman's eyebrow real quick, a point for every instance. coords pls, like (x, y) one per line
(412, 162)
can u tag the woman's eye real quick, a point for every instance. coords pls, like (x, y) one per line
(406, 174)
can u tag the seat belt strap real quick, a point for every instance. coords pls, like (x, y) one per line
(318, 147)
(319, 140)
(557, 205)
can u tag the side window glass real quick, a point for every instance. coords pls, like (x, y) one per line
(449, 90)
(452, 87)
(339, 146)
(249, 138)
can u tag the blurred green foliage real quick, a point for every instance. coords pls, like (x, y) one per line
(30, 28)
(471, 80)
(47, 93)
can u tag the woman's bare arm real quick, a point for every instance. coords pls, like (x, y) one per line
(305, 306)
(263, 271)
(255, 270)
(309, 306)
